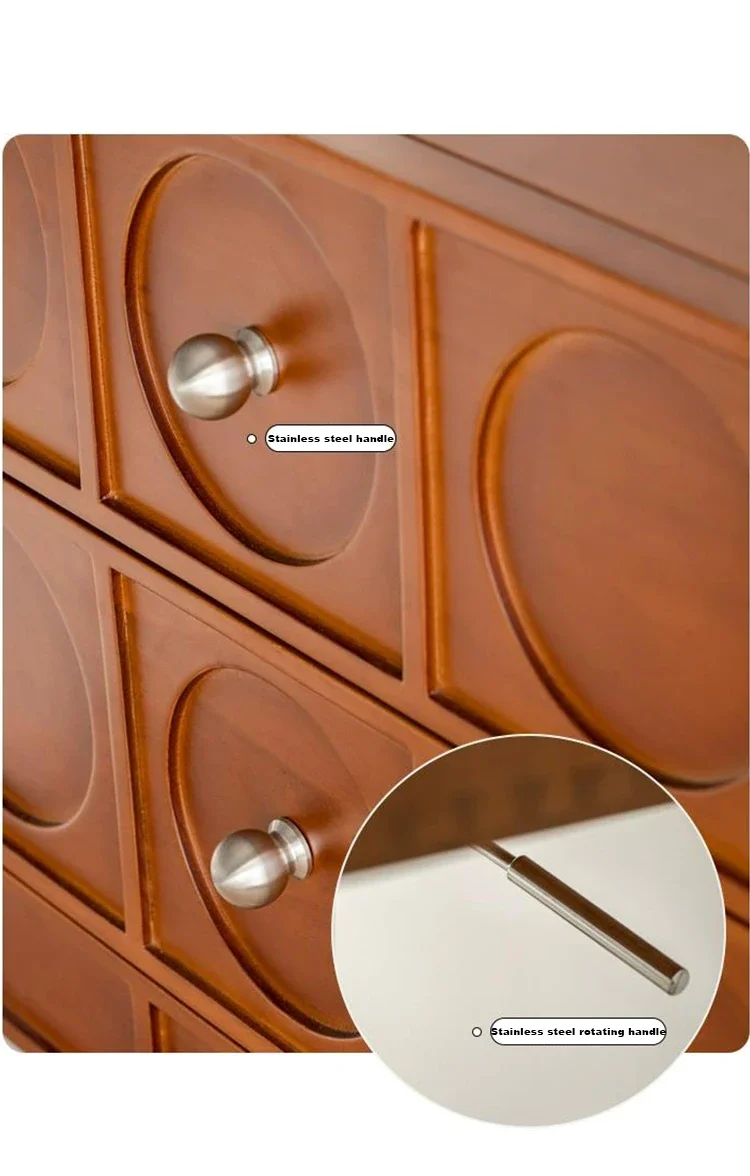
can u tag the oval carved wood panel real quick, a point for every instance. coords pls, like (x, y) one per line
(48, 739)
(243, 752)
(214, 247)
(24, 268)
(614, 506)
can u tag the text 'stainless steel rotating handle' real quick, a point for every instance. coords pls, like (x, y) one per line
(211, 376)
(251, 868)
(646, 959)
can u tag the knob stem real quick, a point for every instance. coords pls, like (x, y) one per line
(293, 845)
(261, 360)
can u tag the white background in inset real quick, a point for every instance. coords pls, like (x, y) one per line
(427, 949)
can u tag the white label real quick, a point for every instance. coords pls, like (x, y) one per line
(578, 1031)
(330, 438)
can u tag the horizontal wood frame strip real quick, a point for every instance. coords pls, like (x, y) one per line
(619, 249)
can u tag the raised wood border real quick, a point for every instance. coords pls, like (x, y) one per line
(594, 238)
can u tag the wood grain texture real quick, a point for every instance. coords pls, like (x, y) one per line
(24, 267)
(59, 983)
(156, 984)
(634, 180)
(186, 1034)
(40, 333)
(242, 1021)
(263, 252)
(44, 787)
(609, 461)
(54, 971)
(719, 811)
(726, 1026)
(317, 534)
(403, 205)
(459, 612)
(606, 477)
(244, 744)
(170, 926)
(619, 247)
(401, 694)
(59, 799)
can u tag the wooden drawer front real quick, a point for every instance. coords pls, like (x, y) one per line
(60, 985)
(40, 283)
(65, 991)
(187, 1034)
(59, 797)
(588, 474)
(214, 728)
(224, 741)
(218, 235)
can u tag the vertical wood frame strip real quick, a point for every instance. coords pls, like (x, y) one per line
(118, 672)
(407, 422)
(134, 828)
(431, 453)
(102, 421)
(78, 313)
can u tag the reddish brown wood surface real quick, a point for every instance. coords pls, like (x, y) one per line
(58, 788)
(218, 729)
(591, 485)
(172, 1034)
(59, 983)
(65, 992)
(725, 1029)
(556, 543)
(408, 694)
(226, 743)
(267, 707)
(608, 200)
(42, 333)
(634, 180)
(248, 240)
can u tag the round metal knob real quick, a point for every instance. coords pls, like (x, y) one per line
(211, 376)
(251, 868)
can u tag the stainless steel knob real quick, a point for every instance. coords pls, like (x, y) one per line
(251, 868)
(211, 376)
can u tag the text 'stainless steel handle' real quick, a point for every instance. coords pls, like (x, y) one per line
(646, 959)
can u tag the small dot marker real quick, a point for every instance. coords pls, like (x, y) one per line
(251, 438)
(476, 1031)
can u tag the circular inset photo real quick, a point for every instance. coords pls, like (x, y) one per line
(528, 929)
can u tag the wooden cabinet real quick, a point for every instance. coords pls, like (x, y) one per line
(202, 635)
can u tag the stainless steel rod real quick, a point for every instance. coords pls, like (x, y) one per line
(618, 939)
